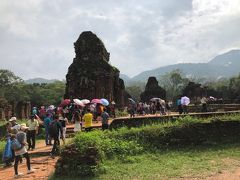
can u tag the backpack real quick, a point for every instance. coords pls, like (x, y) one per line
(53, 129)
(34, 111)
(16, 145)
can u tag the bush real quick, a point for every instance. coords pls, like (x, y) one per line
(87, 152)
(121, 113)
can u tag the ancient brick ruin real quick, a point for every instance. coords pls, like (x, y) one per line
(21, 110)
(152, 90)
(194, 91)
(90, 75)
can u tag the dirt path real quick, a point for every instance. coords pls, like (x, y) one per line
(40, 160)
(226, 175)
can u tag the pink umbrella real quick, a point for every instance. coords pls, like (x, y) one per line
(65, 102)
(78, 102)
(97, 101)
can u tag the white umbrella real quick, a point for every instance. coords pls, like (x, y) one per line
(162, 102)
(212, 98)
(78, 102)
(85, 101)
(185, 100)
(156, 99)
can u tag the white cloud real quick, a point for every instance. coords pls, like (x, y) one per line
(139, 34)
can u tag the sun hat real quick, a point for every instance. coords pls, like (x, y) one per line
(12, 119)
(23, 126)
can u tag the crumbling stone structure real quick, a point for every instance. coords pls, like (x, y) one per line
(194, 91)
(21, 110)
(152, 90)
(90, 75)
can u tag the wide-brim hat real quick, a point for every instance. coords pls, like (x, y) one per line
(23, 126)
(12, 119)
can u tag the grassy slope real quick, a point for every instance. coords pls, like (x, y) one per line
(172, 164)
(191, 162)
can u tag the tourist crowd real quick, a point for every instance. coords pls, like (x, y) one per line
(22, 137)
(157, 106)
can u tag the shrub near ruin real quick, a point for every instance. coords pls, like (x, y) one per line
(86, 155)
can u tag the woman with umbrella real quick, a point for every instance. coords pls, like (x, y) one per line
(77, 122)
(184, 102)
(131, 107)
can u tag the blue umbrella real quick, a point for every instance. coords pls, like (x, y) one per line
(104, 102)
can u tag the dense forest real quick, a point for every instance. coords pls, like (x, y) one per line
(13, 88)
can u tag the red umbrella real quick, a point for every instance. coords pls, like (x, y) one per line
(97, 101)
(65, 102)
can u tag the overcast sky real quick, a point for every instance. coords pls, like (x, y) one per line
(37, 36)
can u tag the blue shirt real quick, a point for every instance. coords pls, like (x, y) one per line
(47, 121)
(179, 102)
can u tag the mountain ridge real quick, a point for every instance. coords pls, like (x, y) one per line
(40, 81)
(223, 65)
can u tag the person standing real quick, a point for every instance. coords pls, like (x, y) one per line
(168, 107)
(14, 126)
(131, 110)
(42, 112)
(112, 109)
(47, 121)
(158, 108)
(87, 119)
(18, 145)
(32, 131)
(8, 153)
(64, 121)
(204, 104)
(179, 105)
(184, 102)
(105, 118)
(77, 122)
(55, 128)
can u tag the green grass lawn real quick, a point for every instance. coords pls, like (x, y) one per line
(186, 162)
(191, 162)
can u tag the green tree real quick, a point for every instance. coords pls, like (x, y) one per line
(135, 92)
(7, 78)
(45, 94)
(234, 87)
(7, 82)
(173, 82)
